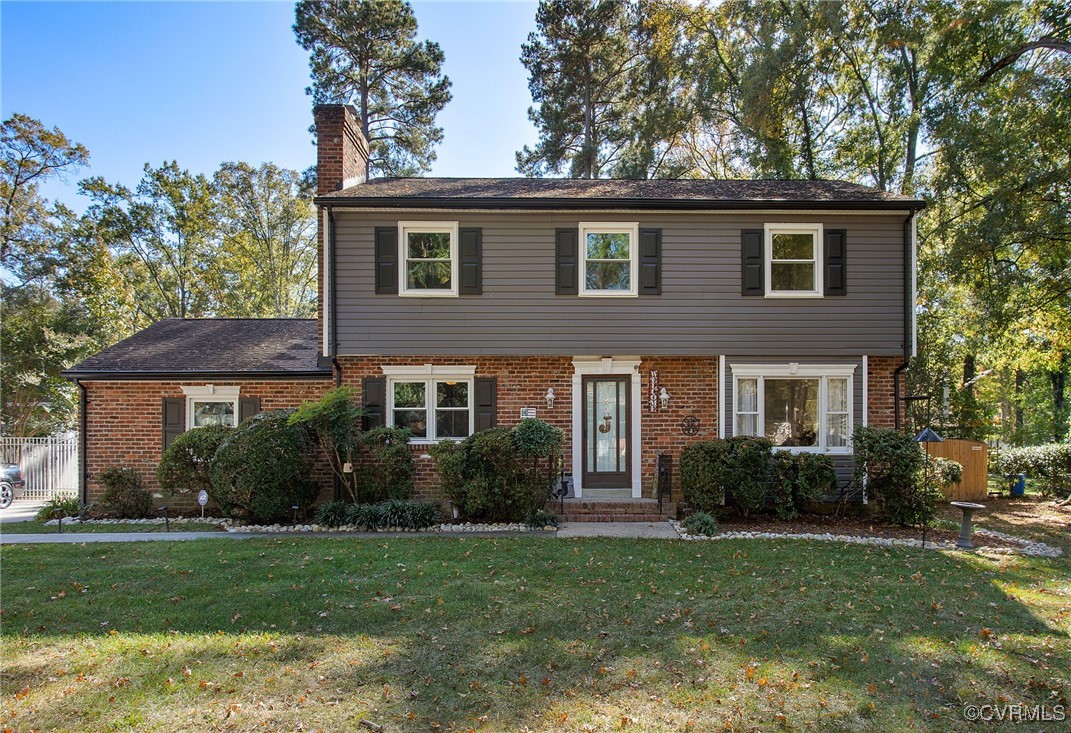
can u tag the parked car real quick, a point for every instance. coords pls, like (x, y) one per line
(12, 484)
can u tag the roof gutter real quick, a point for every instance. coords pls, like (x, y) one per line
(909, 314)
(661, 204)
(135, 376)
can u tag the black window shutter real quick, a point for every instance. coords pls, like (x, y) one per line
(486, 403)
(470, 249)
(247, 407)
(174, 419)
(374, 398)
(386, 260)
(836, 266)
(751, 264)
(650, 262)
(567, 255)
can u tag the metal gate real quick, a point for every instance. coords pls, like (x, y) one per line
(49, 464)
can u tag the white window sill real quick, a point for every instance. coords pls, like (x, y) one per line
(428, 294)
(789, 294)
(607, 294)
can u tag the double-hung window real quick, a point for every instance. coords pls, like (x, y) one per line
(428, 258)
(608, 259)
(210, 405)
(793, 260)
(805, 408)
(432, 404)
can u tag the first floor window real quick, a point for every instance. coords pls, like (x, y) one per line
(213, 412)
(795, 407)
(432, 409)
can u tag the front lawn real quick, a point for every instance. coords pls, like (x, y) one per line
(503, 634)
(42, 528)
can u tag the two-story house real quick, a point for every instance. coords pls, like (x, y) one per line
(638, 316)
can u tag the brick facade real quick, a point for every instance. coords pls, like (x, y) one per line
(124, 424)
(124, 418)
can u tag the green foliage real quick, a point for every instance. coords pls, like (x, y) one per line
(67, 506)
(262, 469)
(541, 518)
(894, 468)
(1048, 466)
(701, 523)
(366, 53)
(334, 422)
(733, 472)
(945, 471)
(186, 465)
(490, 476)
(798, 479)
(387, 467)
(333, 514)
(124, 494)
(393, 513)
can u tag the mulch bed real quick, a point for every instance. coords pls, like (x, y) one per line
(855, 526)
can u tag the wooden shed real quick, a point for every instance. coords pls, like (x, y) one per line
(973, 455)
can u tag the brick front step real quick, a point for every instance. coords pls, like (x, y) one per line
(634, 510)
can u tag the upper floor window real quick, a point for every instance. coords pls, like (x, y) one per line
(793, 260)
(608, 258)
(428, 258)
(808, 408)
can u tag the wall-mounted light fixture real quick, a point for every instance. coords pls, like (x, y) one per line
(663, 398)
(549, 397)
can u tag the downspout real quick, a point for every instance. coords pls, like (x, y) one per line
(332, 324)
(909, 311)
(83, 422)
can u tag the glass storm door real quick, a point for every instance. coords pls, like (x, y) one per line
(607, 442)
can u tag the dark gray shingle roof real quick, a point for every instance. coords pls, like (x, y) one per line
(619, 192)
(239, 346)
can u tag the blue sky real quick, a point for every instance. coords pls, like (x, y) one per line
(207, 82)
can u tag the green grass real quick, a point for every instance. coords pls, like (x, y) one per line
(41, 528)
(503, 634)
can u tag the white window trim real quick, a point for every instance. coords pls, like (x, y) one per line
(610, 227)
(451, 228)
(822, 372)
(430, 374)
(819, 239)
(211, 393)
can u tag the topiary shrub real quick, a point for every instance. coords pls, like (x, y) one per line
(262, 469)
(797, 480)
(701, 523)
(500, 474)
(123, 494)
(733, 473)
(187, 463)
(894, 468)
(387, 467)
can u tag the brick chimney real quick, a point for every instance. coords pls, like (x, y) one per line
(341, 150)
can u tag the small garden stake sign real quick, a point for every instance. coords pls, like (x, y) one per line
(202, 499)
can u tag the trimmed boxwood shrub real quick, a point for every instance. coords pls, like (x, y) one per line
(797, 480)
(123, 494)
(500, 474)
(187, 463)
(262, 469)
(387, 467)
(734, 472)
(894, 468)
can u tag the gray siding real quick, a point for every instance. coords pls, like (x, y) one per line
(700, 311)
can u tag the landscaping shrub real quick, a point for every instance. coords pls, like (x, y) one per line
(123, 494)
(894, 467)
(187, 463)
(500, 474)
(393, 513)
(67, 506)
(541, 518)
(262, 468)
(701, 523)
(945, 472)
(333, 514)
(735, 472)
(797, 480)
(333, 423)
(387, 467)
(1048, 466)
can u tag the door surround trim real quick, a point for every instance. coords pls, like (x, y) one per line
(615, 365)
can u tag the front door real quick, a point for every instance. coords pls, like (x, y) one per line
(607, 438)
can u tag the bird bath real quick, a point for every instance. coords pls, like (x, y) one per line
(968, 508)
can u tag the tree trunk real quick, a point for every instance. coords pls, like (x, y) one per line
(1019, 427)
(1058, 380)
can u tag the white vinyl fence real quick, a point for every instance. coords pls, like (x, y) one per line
(49, 464)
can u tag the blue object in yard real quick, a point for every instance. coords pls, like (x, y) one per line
(1019, 487)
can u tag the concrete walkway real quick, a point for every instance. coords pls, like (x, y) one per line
(568, 530)
(21, 510)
